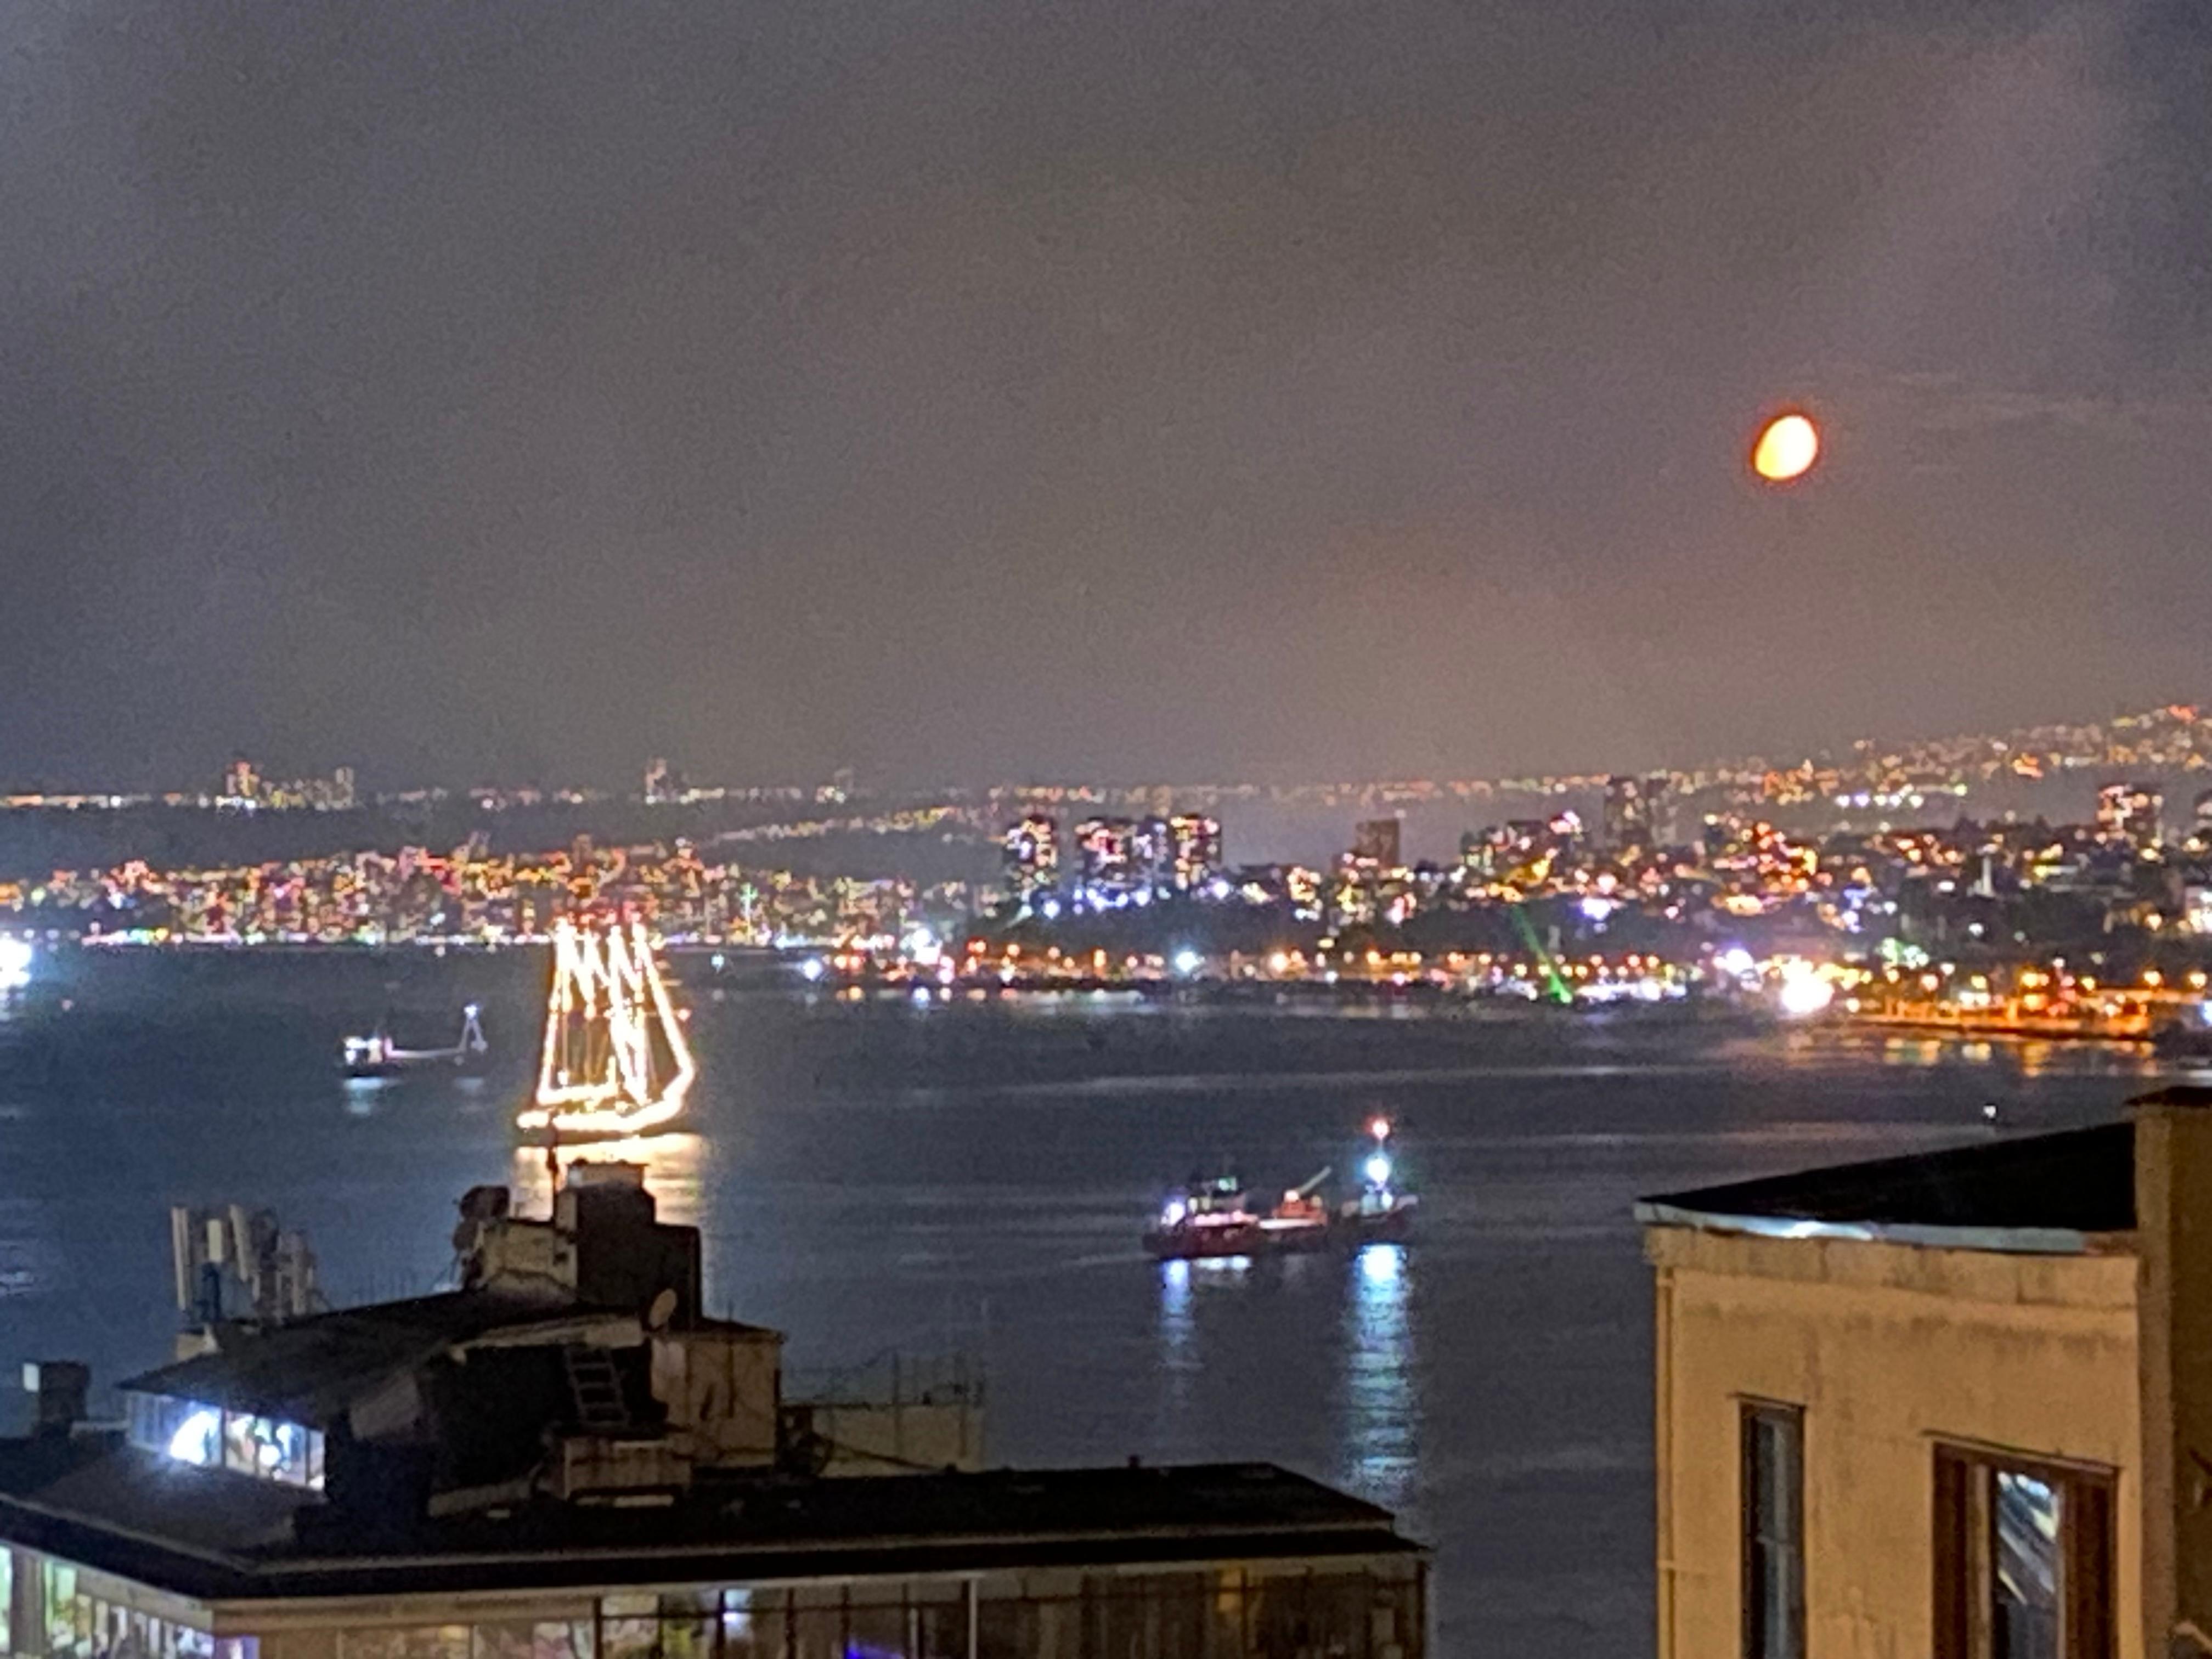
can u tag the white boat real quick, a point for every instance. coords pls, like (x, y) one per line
(616, 1061)
(377, 1055)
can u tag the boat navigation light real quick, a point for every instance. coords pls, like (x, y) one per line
(15, 955)
(1379, 1171)
(1175, 1211)
(1380, 1128)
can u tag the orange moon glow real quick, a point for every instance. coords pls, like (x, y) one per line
(1787, 447)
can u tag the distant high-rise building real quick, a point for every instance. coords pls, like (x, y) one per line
(1149, 856)
(1378, 842)
(1193, 851)
(1629, 816)
(656, 780)
(343, 795)
(2130, 812)
(1032, 855)
(1519, 847)
(241, 782)
(1106, 848)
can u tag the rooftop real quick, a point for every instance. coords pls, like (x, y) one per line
(308, 1370)
(125, 1511)
(2044, 1195)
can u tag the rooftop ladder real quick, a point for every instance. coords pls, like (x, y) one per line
(596, 1387)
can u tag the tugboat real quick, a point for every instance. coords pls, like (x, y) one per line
(376, 1056)
(1211, 1219)
(1207, 1219)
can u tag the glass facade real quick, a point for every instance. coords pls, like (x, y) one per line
(1303, 1611)
(50, 1609)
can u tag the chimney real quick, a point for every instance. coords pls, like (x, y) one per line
(61, 1386)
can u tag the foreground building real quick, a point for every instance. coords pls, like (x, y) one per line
(1957, 1405)
(566, 1459)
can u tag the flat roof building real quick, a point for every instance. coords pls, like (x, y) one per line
(1958, 1404)
(565, 1459)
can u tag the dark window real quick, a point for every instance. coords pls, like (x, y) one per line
(1773, 1532)
(2023, 1559)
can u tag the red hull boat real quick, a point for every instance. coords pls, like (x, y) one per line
(1210, 1220)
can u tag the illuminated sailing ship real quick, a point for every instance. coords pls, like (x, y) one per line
(616, 1061)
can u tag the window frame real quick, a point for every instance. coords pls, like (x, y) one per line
(1753, 1414)
(1962, 1519)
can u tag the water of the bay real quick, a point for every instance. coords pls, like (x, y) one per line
(972, 1177)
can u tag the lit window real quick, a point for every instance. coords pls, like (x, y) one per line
(208, 1437)
(197, 1437)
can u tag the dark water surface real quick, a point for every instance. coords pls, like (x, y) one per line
(973, 1177)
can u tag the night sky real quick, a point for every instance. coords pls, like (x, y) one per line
(989, 388)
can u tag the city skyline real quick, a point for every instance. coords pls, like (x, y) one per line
(2166, 736)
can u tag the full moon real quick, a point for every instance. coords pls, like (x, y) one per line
(1787, 447)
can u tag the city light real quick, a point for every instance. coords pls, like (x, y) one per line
(1804, 991)
(15, 958)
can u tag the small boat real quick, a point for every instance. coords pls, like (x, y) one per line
(1208, 1219)
(1212, 1220)
(376, 1056)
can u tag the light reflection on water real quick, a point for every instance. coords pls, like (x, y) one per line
(1206, 1308)
(1381, 1444)
(674, 1164)
(872, 1176)
(1174, 1317)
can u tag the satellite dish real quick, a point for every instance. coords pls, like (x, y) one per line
(662, 1310)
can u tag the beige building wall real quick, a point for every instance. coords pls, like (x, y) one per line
(1887, 1348)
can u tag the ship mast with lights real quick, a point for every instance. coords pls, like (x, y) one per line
(616, 1061)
